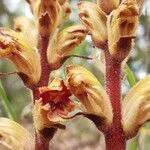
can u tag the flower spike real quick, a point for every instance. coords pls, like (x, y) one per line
(15, 47)
(136, 107)
(94, 20)
(84, 85)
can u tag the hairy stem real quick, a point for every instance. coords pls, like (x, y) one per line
(42, 143)
(115, 138)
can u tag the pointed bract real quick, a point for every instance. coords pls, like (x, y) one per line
(136, 107)
(84, 85)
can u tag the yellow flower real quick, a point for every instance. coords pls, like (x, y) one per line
(84, 85)
(136, 107)
(122, 25)
(14, 137)
(94, 20)
(15, 47)
(62, 44)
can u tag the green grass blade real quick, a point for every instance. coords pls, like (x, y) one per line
(6, 103)
(132, 81)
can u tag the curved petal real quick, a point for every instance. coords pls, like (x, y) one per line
(136, 107)
(16, 48)
(14, 137)
(94, 20)
(63, 44)
(84, 85)
(122, 25)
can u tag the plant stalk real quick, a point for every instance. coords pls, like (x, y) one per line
(114, 137)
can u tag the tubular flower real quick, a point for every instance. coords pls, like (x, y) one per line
(27, 28)
(49, 13)
(122, 25)
(108, 5)
(63, 43)
(15, 47)
(136, 107)
(13, 136)
(94, 20)
(84, 85)
(53, 106)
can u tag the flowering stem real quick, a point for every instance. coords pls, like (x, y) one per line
(114, 137)
(42, 143)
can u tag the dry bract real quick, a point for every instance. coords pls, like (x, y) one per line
(94, 20)
(16, 48)
(136, 107)
(122, 25)
(14, 137)
(84, 85)
(62, 44)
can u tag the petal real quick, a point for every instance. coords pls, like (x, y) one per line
(16, 48)
(49, 14)
(84, 85)
(94, 20)
(14, 137)
(108, 5)
(27, 27)
(136, 107)
(122, 25)
(63, 44)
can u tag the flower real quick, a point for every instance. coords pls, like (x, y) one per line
(53, 106)
(63, 43)
(94, 20)
(84, 85)
(136, 107)
(14, 136)
(16, 47)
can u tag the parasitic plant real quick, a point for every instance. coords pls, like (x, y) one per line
(39, 47)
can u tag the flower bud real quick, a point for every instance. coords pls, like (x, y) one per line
(94, 20)
(15, 47)
(122, 25)
(14, 137)
(62, 44)
(84, 85)
(108, 5)
(48, 14)
(136, 107)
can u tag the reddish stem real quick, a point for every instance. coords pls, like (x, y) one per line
(115, 137)
(42, 143)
